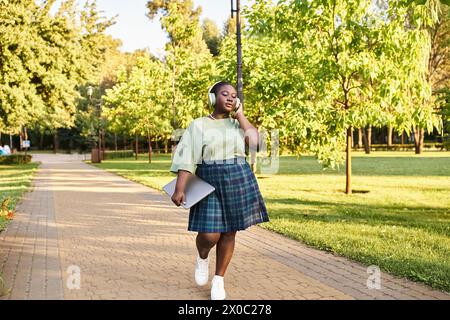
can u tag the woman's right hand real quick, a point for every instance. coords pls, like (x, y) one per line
(178, 198)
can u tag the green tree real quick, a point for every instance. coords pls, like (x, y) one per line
(188, 59)
(229, 27)
(427, 18)
(340, 64)
(266, 81)
(439, 65)
(138, 104)
(439, 59)
(45, 58)
(97, 45)
(101, 57)
(211, 35)
(20, 59)
(62, 67)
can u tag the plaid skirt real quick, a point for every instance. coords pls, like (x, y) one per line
(236, 204)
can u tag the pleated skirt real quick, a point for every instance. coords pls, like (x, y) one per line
(236, 204)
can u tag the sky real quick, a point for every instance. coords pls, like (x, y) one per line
(137, 31)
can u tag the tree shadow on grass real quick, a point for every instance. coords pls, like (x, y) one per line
(14, 184)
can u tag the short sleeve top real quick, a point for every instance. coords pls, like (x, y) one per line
(207, 139)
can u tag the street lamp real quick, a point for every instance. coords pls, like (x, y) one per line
(240, 85)
(239, 48)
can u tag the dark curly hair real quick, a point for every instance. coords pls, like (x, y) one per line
(215, 89)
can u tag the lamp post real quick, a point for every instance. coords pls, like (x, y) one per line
(240, 85)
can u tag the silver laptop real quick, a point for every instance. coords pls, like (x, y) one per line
(196, 190)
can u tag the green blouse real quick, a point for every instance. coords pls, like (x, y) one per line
(209, 140)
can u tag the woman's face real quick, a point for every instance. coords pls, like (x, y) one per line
(226, 99)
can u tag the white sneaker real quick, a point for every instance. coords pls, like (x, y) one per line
(201, 271)
(217, 288)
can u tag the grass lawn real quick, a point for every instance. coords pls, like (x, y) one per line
(402, 224)
(14, 181)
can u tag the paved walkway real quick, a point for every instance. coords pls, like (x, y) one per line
(83, 233)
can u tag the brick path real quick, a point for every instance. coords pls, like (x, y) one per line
(130, 242)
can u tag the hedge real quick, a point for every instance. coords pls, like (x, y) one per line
(15, 159)
(447, 144)
(403, 147)
(118, 154)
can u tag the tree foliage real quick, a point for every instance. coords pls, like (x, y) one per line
(45, 58)
(346, 64)
(188, 59)
(211, 35)
(138, 102)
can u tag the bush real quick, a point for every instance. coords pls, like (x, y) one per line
(15, 159)
(118, 154)
(405, 147)
(446, 143)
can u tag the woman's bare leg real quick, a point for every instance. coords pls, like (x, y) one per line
(224, 251)
(205, 241)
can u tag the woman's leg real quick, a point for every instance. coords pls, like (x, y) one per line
(205, 241)
(224, 251)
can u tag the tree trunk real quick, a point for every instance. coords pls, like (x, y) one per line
(353, 143)
(166, 147)
(25, 132)
(149, 148)
(403, 138)
(41, 141)
(104, 140)
(366, 140)
(11, 143)
(253, 157)
(137, 147)
(55, 141)
(253, 161)
(389, 136)
(20, 140)
(360, 138)
(348, 163)
(70, 144)
(422, 136)
(418, 139)
(124, 142)
(115, 141)
(99, 145)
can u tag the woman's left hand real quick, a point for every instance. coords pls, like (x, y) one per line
(237, 110)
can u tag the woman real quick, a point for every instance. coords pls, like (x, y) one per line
(213, 148)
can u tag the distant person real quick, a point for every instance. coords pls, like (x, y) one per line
(213, 148)
(7, 149)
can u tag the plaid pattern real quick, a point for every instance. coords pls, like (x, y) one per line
(236, 204)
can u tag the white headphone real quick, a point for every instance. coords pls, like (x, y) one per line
(212, 95)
